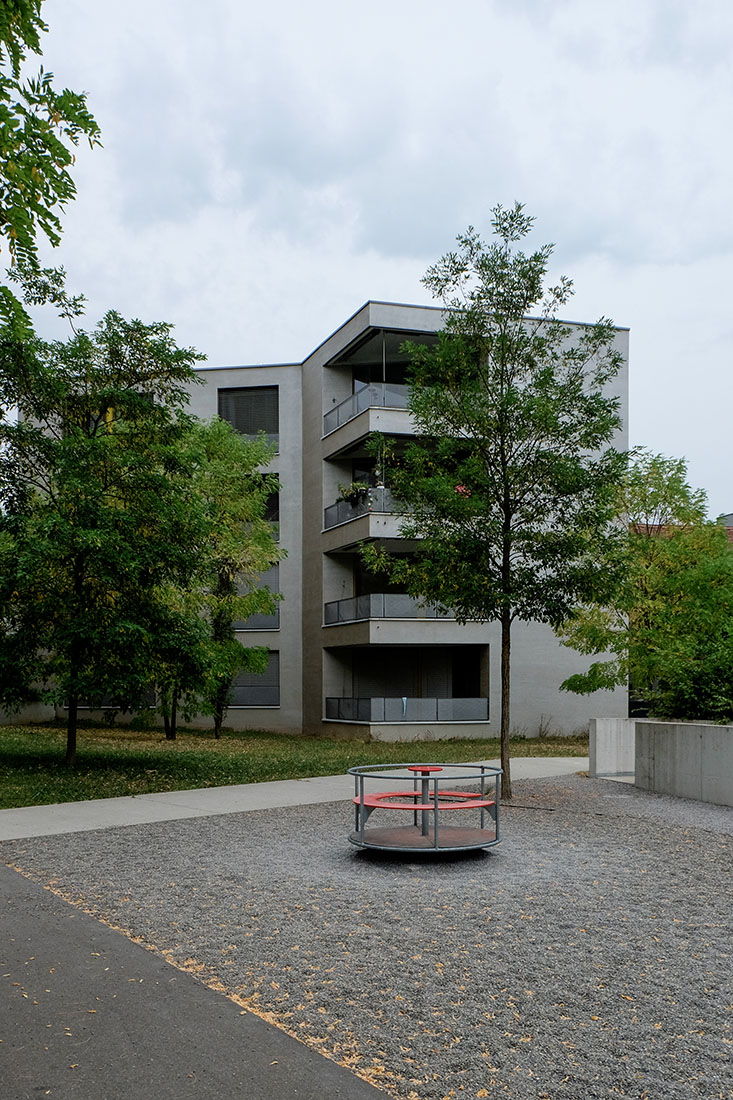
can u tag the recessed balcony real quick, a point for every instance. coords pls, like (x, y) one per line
(378, 499)
(377, 709)
(380, 606)
(377, 395)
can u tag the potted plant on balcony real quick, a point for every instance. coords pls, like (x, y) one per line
(354, 493)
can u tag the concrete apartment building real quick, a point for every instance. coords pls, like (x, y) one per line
(350, 655)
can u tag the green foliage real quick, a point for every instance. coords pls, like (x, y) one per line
(20, 28)
(354, 492)
(39, 128)
(94, 515)
(656, 494)
(18, 651)
(230, 491)
(682, 648)
(667, 627)
(511, 487)
(128, 527)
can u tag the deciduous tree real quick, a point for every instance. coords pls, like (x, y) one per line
(90, 490)
(132, 534)
(666, 628)
(228, 489)
(512, 483)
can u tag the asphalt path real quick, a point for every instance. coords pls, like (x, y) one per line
(89, 1015)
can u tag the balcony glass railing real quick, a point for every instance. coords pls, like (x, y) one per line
(407, 710)
(380, 606)
(380, 395)
(378, 499)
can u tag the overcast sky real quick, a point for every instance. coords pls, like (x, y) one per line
(267, 168)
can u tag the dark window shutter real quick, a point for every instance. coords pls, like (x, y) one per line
(251, 410)
(252, 689)
(269, 579)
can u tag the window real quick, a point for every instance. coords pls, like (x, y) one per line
(253, 689)
(270, 579)
(272, 514)
(272, 508)
(252, 410)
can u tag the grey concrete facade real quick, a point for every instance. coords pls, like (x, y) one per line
(355, 662)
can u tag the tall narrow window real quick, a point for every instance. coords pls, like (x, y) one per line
(269, 579)
(253, 689)
(252, 410)
(272, 508)
(272, 514)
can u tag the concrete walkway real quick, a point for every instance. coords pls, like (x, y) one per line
(110, 813)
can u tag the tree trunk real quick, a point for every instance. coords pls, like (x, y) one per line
(220, 708)
(70, 757)
(222, 633)
(75, 664)
(506, 646)
(73, 717)
(221, 698)
(170, 725)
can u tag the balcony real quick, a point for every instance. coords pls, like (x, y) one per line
(378, 499)
(379, 395)
(407, 710)
(380, 606)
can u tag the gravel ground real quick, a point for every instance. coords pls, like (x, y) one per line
(588, 955)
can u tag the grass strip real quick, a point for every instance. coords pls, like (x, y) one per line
(118, 761)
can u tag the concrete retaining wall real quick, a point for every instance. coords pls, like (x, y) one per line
(34, 712)
(685, 759)
(611, 749)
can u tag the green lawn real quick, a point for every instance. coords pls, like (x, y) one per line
(123, 762)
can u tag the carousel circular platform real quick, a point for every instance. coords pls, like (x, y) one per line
(472, 815)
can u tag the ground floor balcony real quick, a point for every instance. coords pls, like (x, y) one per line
(402, 685)
(405, 709)
(380, 606)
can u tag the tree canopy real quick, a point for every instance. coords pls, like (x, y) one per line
(666, 627)
(230, 491)
(107, 540)
(510, 487)
(38, 129)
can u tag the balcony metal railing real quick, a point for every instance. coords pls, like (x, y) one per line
(380, 395)
(407, 710)
(378, 499)
(380, 606)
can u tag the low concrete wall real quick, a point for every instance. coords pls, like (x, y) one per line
(34, 712)
(685, 759)
(611, 750)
